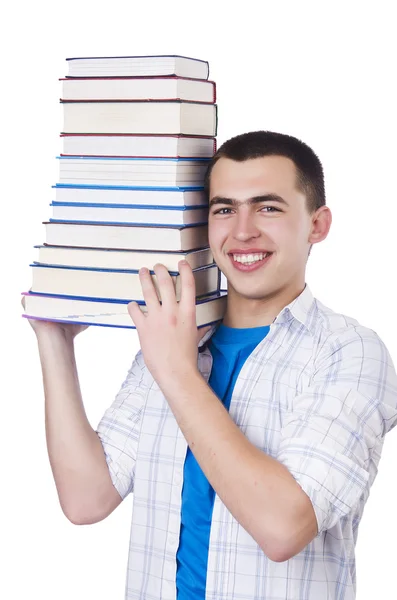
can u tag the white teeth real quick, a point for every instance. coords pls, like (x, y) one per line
(249, 259)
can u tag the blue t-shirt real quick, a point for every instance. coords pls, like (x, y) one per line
(229, 348)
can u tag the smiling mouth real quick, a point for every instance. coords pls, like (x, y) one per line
(250, 259)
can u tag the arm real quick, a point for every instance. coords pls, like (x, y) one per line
(77, 459)
(282, 503)
(327, 444)
(332, 439)
(258, 490)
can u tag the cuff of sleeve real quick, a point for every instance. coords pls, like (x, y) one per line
(333, 482)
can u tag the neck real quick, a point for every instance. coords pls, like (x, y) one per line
(243, 312)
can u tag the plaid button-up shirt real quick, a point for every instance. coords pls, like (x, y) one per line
(318, 394)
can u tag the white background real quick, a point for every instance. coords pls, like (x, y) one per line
(323, 71)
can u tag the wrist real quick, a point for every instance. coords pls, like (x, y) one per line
(55, 339)
(178, 385)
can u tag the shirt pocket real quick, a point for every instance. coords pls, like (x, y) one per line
(269, 405)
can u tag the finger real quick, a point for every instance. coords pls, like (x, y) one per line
(136, 314)
(188, 288)
(148, 290)
(165, 285)
(23, 298)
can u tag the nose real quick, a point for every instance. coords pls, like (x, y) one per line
(244, 225)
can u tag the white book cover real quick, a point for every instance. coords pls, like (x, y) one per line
(129, 145)
(147, 215)
(109, 283)
(109, 314)
(144, 196)
(154, 117)
(137, 66)
(138, 88)
(129, 237)
(106, 258)
(132, 171)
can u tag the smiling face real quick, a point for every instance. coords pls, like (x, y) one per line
(260, 230)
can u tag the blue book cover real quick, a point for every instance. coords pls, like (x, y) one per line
(130, 187)
(151, 225)
(121, 223)
(89, 318)
(87, 282)
(138, 206)
(105, 270)
(200, 300)
(110, 250)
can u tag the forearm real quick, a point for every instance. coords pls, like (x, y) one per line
(257, 489)
(75, 451)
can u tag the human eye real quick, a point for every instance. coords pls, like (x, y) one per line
(222, 211)
(270, 209)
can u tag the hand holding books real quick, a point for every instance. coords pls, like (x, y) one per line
(168, 332)
(42, 326)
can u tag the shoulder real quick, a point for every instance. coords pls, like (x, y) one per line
(335, 331)
(348, 353)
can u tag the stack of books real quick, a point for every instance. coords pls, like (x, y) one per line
(137, 137)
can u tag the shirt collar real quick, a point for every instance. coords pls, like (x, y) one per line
(301, 309)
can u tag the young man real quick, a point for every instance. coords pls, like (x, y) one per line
(251, 457)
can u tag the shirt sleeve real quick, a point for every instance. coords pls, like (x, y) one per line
(332, 438)
(119, 427)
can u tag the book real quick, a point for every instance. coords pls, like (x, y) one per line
(138, 133)
(144, 196)
(97, 311)
(111, 284)
(137, 66)
(114, 213)
(104, 258)
(167, 172)
(130, 116)
(129, 237)
(138, 88)
(127, 144)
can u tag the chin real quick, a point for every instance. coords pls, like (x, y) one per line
(252, 294)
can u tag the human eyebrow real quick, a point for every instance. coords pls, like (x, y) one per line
(267, 198)
(250, 201)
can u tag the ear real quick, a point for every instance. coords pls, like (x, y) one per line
(321, 224)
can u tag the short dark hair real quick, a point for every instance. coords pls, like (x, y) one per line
(255, 144)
